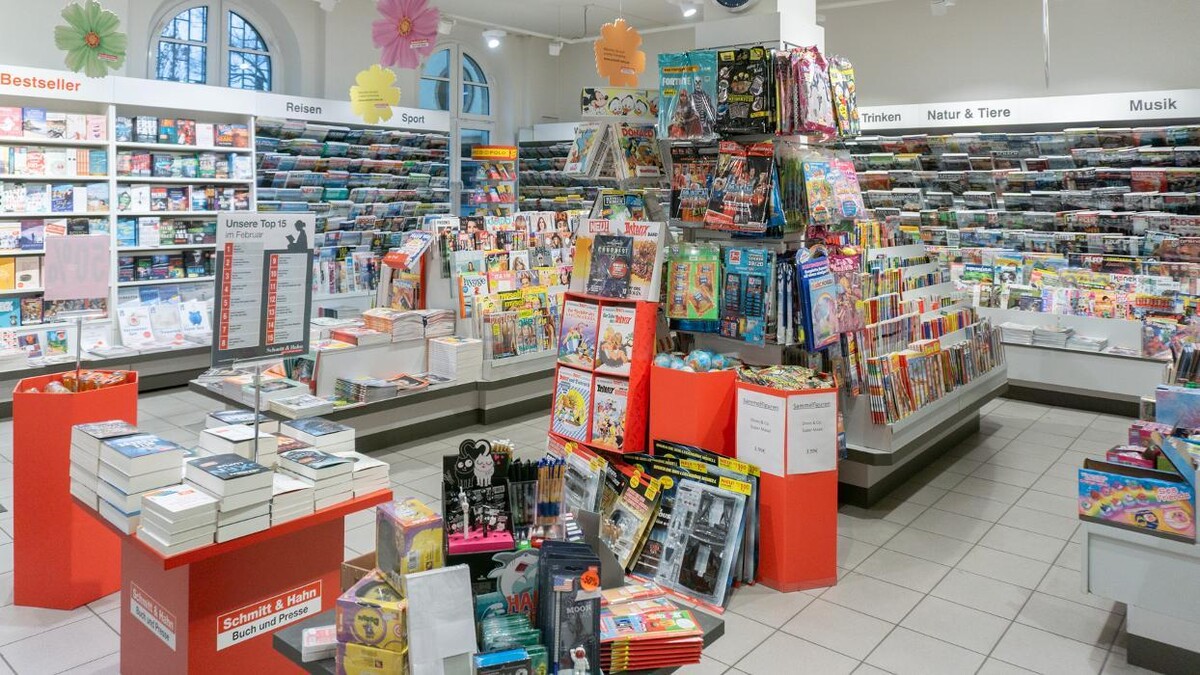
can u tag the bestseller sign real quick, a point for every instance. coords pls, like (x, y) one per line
(264, 285)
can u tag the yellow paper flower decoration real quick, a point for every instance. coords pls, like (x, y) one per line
(617, 55)
(373, 95)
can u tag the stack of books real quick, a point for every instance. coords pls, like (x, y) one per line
(364, 389)
(279, 387)
(177, 519)
(291, 498)
(648, 633)
(1087, 343)
(86, 440)
(239, 440)
(438, 322)
(330, 476)
(130, 466)
(401, 325)
(223, 418)
(456, 358)
(1051, 337)
(1017, 333)
(358, 335)
(242, 489)
(369, 475)
(320, 434)
(299, 406)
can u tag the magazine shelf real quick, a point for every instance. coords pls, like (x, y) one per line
(575, 398)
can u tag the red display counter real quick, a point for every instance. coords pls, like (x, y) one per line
(213, 609)
(62, 556)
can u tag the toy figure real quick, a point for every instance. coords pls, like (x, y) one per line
(579, 661)
(485, 468)
(465, 505)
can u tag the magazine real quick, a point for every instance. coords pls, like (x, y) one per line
(614, 348)
(577, 340)
(610, 269)
(624, 523)
(703, 538)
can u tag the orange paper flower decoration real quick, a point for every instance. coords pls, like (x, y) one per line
(617, 55)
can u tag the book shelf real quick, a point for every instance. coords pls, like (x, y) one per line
(489, 181)
(637, 381)
(362, 182)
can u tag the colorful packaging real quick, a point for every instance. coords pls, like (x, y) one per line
(356, 659)
(372, 613)
(408, 538)
(845, 96)
(816, 105)
(692, 286)
(743, 97)
(1156, 502)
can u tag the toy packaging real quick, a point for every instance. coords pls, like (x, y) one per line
(1156, 502)
(372, 613)
(743, 97)
(356, 659)
(691, 286)
(408, 538)
(747, 304)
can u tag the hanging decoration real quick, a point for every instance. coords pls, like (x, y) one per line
(406, 32)
(618, 56)
(373, 95)
(91, 39)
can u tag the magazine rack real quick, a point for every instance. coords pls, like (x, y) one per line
(638, 401)
(62, 556)
(791, 436)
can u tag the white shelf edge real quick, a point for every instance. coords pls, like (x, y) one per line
(53, 214)
(168, 214)
(52, 179)
(33, 140)
(172, 247)
(175, 147)
(21, 291)
(159, 282)
(172, 180)
(16, 253)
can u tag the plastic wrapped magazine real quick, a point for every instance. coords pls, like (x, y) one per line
(623, 525)
(701, 542)
(581, 482)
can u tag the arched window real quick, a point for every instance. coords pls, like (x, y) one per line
(200, 40)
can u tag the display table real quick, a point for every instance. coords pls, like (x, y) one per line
(1156, 579)
(287, 642)
(210, 609)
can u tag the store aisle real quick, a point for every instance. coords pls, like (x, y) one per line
(972, 567)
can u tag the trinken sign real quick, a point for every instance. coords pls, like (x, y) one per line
(1090, 108)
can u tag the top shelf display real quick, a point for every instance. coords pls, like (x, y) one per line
(37, 126)
(169, 133)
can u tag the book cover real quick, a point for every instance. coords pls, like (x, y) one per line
(577, 340)
(33, 121)
(610, 402)
(609, 273)
(585, 148)
(56, 125)
(639, 150)
(31, 311)
(10, 121)
(8, 275)
(140, 445)
(10, 313)
(124, 129)
(572, 403)
(500, 282)
(614, 351)
(32, 235)
(820, 304)
(56, 342)
(227, 466)
(317, 427)
(145, 129)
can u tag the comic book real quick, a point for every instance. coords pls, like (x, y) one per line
(586, 151)
(572, 403)
(848, 281)
(639, 151)
(614, 350)
(610, 269)
(610, 403)
(577, 340)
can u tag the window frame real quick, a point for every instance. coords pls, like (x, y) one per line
(218, 50)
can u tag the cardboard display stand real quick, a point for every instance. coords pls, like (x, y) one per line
(792, 437)
(63, 557)
(213, 609)
(693, 408)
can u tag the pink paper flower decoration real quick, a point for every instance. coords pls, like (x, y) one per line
(406, 32)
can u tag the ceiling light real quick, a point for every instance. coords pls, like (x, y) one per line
(445, 26)
(556, 48)
(689, 9)
(492, 37)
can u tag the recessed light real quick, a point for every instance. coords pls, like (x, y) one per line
(493, 37)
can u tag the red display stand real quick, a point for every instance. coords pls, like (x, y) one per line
(62, 557)
(792, 437)
(213, 609)
(693, 408)
(638, 405)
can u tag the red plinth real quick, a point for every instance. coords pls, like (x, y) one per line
(693, 408)
(62, 556)
(213, 609)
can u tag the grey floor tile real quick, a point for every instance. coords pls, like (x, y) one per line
(868, 530)
(839, 628)
(990, 489)
(1040, 522)
(963, 626)
(89, 640)
(903, 570)
(970, 505)
(1003, 566)
(952, 525)
(781, 648)
(1044, 652)
(929, 546)
(741, 637)
(907, 652)
(1020, 542)
(877, 598)
(984, 593)
(767, 605)
(1069, 619)
(851, 552)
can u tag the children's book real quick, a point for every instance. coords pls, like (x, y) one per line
(610, 402)
(572, 403)
(614, 350)
(577, 341)
(586, 148)
(639, 151)
(820, 304)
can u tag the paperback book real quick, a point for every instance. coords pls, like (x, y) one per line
(572, 403)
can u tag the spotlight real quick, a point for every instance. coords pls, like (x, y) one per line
(445, 26)
(492, 37)
(556, 48)
(689, 9)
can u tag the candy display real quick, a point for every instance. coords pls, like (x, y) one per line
(696, 361)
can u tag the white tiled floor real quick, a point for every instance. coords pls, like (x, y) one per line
(969, 568)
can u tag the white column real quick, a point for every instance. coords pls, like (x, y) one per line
(765, 22)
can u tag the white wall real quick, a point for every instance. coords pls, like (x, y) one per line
(993, 49)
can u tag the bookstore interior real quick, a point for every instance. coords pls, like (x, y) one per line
(541, 337)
